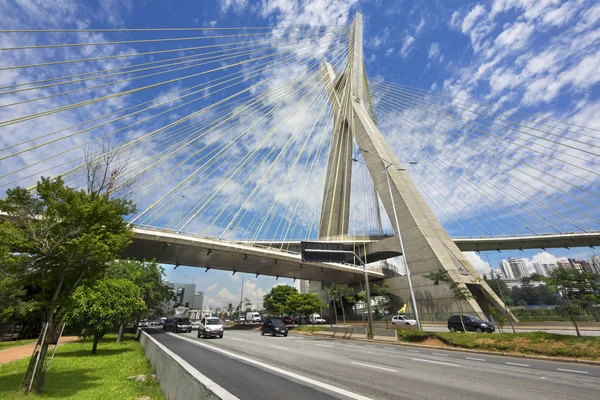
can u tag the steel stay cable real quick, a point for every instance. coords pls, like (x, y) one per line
(166, 29)
(118, 130)
(469, 132)
(277, 159)
(72, 61)
(412, 95)
(115, 95)
(375, 81)
(217, 60)
(245, 74)
(230, 177)
(275, 45)
(181, 183)
(248, 157)
(227, 144)
(525, 183)
(53, 46)
(400, 97)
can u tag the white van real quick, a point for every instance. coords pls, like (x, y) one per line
(315, 319)
(253, 318)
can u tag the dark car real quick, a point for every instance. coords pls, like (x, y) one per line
(274, 327)
(472, 324)
(287, 320)
(300, 320)
(178, 325)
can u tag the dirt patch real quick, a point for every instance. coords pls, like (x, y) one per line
(484, 341)
(433, 341)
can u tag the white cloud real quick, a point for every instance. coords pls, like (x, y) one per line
(482, 267)
(212, 287)
(407, 45)
(434, 50)
(471, 19)
(420, 27)
(389, 52)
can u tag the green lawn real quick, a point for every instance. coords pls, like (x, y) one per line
(533, 343)
(76, 374)
(6, 345)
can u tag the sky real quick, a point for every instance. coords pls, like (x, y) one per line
(444, 78)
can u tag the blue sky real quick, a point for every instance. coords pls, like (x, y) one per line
(538, 57)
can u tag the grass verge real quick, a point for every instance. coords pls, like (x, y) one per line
(309, 328)
(77, 374)
(14, 343)
(531, 343)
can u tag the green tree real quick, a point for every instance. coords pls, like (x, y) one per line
(14, 304)
(575, 287)
(229, 309)
(100, 308)
(275, 301)
(384, 303)
(339, 292)
(55, 239)
(148, 277)
(459, 293)
(303, 303)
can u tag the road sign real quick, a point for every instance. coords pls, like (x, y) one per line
(322, 252)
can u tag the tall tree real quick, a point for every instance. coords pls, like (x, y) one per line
(148, 276)
(575, 287)
(302, 304)
(459, 293)
(339, 292)
(275, 301)
(57, 238)
(99, 308)
(384, 303)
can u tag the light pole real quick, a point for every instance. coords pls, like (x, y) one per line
(410, 287)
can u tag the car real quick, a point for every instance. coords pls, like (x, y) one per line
(239, 320)
(287, 320)
(143, 323)
(300, 320)
(178, 324)
(402, 320)
(316, 319)
(210, 327)
(253, 318)
(472, 324)
(274, 326)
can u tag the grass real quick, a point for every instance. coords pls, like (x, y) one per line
(532, 343)
(14, 343)
(309, 328)
(77, 374)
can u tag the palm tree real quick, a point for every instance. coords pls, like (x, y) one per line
(229, 309)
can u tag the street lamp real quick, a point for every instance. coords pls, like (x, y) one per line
(410, 287)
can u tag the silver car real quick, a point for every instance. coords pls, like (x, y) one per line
(210, 327)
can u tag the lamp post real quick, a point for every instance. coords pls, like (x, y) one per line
(408, 276)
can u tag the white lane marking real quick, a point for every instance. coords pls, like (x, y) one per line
(435, 362)
(517, 364)
(475, 359)
(440, 354)
(240, 340)
(322, 345)
(370, 352)
(203, 379)
(278, 370)
(572, 370)
(278, 347)
(413, 351)
(389, 348)
(369, 345)
(374, 366)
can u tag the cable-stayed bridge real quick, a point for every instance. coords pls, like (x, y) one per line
(237, 143)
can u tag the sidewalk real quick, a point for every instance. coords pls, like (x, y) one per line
(19, 352)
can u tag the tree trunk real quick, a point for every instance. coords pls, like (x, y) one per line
(38, 379)
(95, 345)
(570, 312)
(120, 335)
(335, 311)
(343, 311)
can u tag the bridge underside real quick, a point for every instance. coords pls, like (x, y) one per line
(177, 249)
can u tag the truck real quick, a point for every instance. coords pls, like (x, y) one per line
(315, 319)
(253, 318)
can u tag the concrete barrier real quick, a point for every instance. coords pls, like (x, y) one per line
(388, 335)
(177, 378)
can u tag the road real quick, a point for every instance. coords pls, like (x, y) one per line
(251, 366)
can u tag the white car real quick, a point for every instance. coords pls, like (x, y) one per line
(210, 327)
(402, 320)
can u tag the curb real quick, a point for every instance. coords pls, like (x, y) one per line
(458, 349)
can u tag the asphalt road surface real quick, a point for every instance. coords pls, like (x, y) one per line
(251, 366)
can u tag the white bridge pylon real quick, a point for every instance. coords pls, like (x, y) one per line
(427, 246)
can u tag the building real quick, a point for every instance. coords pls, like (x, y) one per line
(576, 264)
(304, 286)
(198, 300)
(518, 267)
(506, 269)
(585, 266)
(563, 264)
(185, 296)
(596, 263)
(544, 268)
